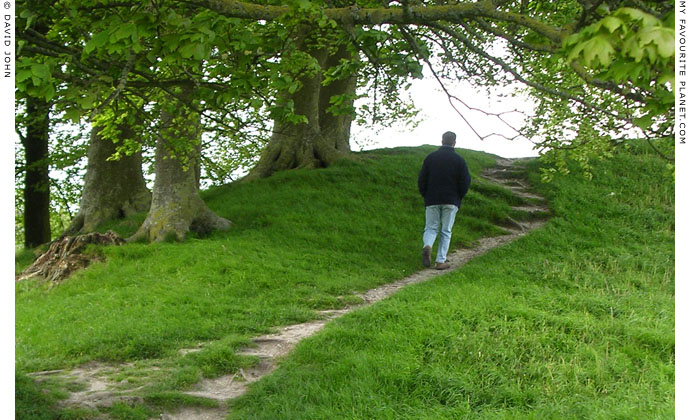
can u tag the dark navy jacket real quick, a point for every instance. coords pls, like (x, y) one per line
(444, 178)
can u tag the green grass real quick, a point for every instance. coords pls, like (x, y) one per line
(35, 401)
(22, 259)
(574, 321)
(302, 240)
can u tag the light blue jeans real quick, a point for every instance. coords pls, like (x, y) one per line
(439, 216)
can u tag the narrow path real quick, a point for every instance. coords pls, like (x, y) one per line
(270, 348)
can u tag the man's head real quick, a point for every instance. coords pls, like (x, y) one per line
(448, 139)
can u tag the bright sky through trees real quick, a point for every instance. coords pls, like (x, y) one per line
(438, 116)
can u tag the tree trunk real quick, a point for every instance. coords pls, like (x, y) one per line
(176, 207)
(112, 189)
(320, 141)
(37, 182)
(336, 128)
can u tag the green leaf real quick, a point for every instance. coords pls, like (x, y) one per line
(74, 114)
(137, 47)
(123, 31)
(199, 52)
(29, 16)
(87, 101)
(598, 48)
(575, 53)
(619, 70)
(632, 49)
(651, 53)
(96, 41)
(292, 88)
(22, 75)
(210, 34)
(662, 37)
(644, 122)
(667, 78)
(603, 9)
(48, 91)
(40, 70)
(337, 99)
(171, 43)
(256, 103)
(612, 23)
(303, 4)
(187, 50)
(636, 71)
(635, 14)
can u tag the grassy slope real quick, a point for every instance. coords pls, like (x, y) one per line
(302, 240)
(575, 321)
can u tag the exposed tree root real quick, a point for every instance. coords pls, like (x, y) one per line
(66, 255)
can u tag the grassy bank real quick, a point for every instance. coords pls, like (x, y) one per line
(301, 241)
(574, 321)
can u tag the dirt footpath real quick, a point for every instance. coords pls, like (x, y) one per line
(98, 391)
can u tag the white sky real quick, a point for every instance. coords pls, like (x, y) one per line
(438, 116)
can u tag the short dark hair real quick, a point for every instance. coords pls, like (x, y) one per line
(448, 138)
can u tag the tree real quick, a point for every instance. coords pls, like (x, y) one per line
(35, 142)
(312, 133)
(176, 206)
(337, 96)
(325, 66)
(115, 64)
(113, 188)
(37, 182)
(596, 69)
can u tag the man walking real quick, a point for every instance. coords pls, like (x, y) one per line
(443, 182)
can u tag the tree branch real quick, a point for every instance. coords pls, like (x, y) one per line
(649, 141)
(586, 11)
(582, 73)
(512, 40)
(418, 51)
(417, 15)
(108, 6)
(508, 69)
(120, 86)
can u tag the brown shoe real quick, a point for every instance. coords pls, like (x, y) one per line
(442, 266)
(426, 256)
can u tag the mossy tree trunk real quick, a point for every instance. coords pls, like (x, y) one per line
(176, 207)
(113, 189)
(37, 181)
(324, 137)
(335, 127)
